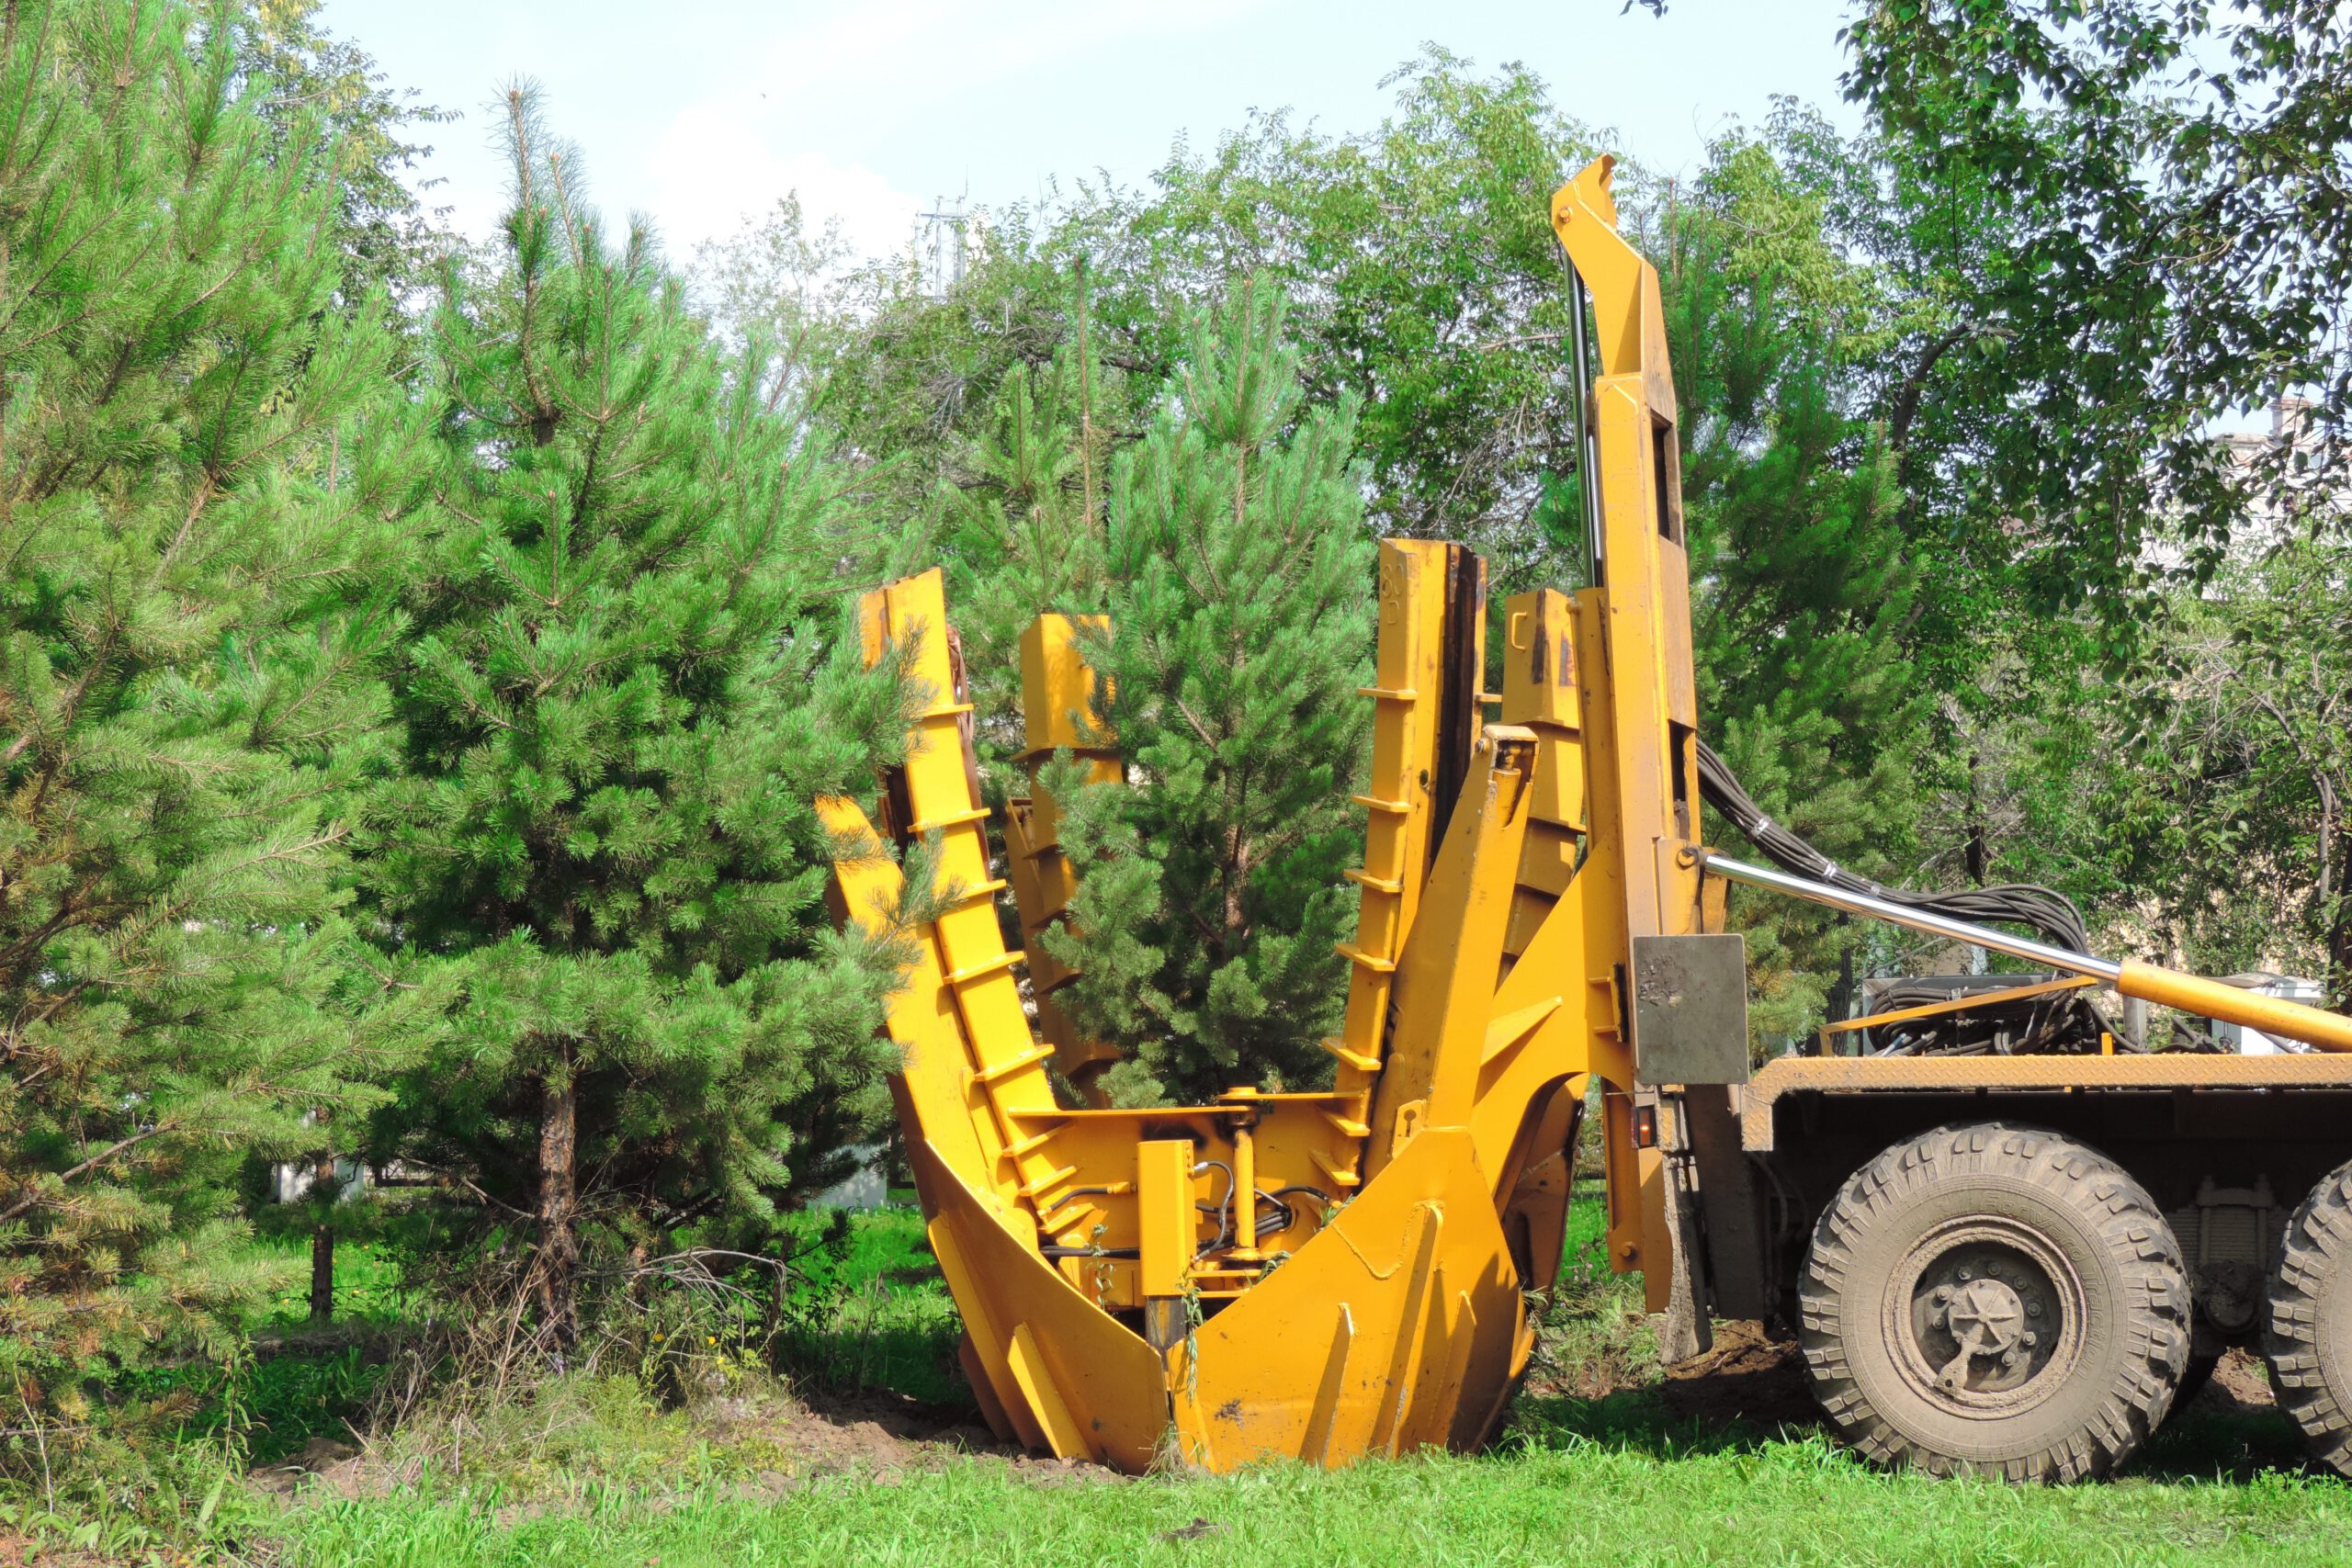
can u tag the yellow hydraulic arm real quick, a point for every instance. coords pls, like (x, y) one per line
(1058, 703)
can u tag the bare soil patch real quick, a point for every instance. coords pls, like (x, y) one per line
(2239, 1386)
(1751, 1374)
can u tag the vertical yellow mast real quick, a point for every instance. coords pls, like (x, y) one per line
(1640, 710)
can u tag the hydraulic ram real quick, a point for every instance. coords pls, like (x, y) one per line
(2165, 988)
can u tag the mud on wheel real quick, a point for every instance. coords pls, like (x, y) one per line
(1995, 1298)
(2308, 1331)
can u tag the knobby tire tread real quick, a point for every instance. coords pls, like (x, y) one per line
(2314, 1254)
(2136, 1237)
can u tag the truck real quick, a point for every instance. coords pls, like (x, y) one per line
(2007, 1240)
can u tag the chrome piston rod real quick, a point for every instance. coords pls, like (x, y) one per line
(2101, 969)
(2274, 1016)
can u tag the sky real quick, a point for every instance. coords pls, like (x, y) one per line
(700, 113)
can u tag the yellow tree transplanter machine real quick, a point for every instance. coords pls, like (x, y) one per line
(1999, 1262)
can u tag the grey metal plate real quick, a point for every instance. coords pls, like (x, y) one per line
(1691, 1009)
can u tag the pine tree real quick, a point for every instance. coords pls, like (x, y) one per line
(1806, 590)
(1240, 589)
(622, 692)
(1024, 523)
(186, 504)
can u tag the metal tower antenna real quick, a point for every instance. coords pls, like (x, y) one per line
(946, 236)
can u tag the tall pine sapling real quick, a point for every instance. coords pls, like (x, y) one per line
(198, 457)
(622, 692)
(1024, 525)
(1240, 589)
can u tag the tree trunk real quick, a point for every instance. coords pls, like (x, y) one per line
(322, 1250)
(559, 1263)
(1840, 1000)
(322, 1275)
(2339, 932)
(1979, 852)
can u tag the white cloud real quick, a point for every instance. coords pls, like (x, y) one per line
(711, 170)
(789, 114)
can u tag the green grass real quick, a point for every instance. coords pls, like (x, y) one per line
(367, 1288)
(300, 1382)
(1580, 1478)
(1594, 1469)
(871, 1311)
(1564, 1500)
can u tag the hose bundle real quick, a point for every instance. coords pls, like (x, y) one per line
(2056, 1023)
(2063, 1023)
(2049, 913)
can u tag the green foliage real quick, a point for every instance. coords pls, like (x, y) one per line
(622, 687)
(2141, 200)
(1023, 525)
(1240, 580)
(916, 374)
(330, 116)
(774, 284)
(2231, 754)
(1419, 258)
(261, 1407)
(1428, 281)
(1807, 588)
(865, 1310)
(203, 457)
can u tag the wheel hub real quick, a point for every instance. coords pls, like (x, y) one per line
(1987, 1313)
(1986, 1316)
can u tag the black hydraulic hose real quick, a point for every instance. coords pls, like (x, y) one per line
(2042, 909)
(2064, 1023)
(1323, 1216)
(1224, 1211)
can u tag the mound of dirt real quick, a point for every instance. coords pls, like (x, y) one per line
(2240, 1386)
(879, 1435)
(1750, 1375)
(875, 1433)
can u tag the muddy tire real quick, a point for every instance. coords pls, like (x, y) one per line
(1996, 1300)
(2307, 1329)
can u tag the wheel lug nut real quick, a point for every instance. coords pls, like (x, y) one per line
(2030, 1341)
(2033, 1309)
(1965, 1274)
(1943, 1294)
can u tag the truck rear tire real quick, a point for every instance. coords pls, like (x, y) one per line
(2307, 1332)
(1995, 1298)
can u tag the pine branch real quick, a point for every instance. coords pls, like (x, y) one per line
(103, 1157)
